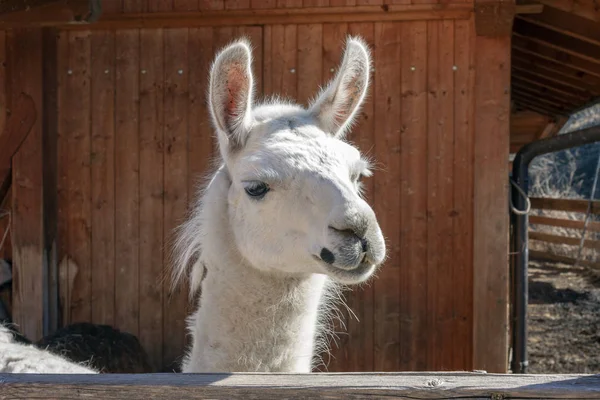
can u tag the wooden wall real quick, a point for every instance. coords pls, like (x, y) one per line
(134, 136)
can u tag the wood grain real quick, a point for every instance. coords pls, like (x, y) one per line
(25, 75)
(463, 195)
(413, 213)
(151, 193)
(103, 177)
(387, 114)
(127, 181)
(440, 180)
(291, 386)
(175, 180)
(490, 230)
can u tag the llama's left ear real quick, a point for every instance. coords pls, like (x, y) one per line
(230, 95)
(338, 104)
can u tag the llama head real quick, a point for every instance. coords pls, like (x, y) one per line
(294, 202)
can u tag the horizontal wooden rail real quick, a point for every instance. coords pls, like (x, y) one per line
(569, 241)
(563, 223)
(301, 386)
(544, 203)
(544, 256)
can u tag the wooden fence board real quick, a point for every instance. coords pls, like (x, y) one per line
(176, 94)
(103, 176)
(78, 91)
(569, 205)
(127, 225)
(490, 234)
(440, 163)
(463, 194)
(569, 241)
(25, 75)
(387, 110)
(413, 238)
(310, 58)
(592, 226)
(151, 193)
(302, 386)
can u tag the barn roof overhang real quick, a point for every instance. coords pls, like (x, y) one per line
(555, 66)
(47, 12)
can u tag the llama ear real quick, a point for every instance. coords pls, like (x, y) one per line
(337, 105)
(230, 94)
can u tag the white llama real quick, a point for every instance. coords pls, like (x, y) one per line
(281, 220)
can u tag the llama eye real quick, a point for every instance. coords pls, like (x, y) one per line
(257, 190)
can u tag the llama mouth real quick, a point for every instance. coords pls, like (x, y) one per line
(354, 275)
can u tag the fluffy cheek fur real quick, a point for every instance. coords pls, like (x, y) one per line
(260, 227)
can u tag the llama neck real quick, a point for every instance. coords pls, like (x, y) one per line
(248, 320)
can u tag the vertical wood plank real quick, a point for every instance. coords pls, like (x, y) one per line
(309, 61)
(463, 194)
(490, 231)
(80, 218)
(212, 4)
(289, 3)
(361, 300)
(127, 181)
(267, 61)
(338, 360)
(440, 162)
(112, 6)
(160, 5)
(342, 3)
(63, 177)
(186, 5)
(103, 177)
(237, 4)
(283, 60)
(413, 213)
(25, 59)
(135, 6)
(315, 3)
(175, 177)
(5, 206)
(387, 108)
(151, 193)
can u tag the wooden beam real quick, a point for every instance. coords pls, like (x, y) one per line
(539, 87)
(18, 125)
(570, 45)
(574, 84)
(553, 128)
(536, 106)
(581, 206)
(569, 241)
(566, 23)
(435, 385)
(543, 49)
(490, 229)
(592, 226)
(545, 256)
(493, 17)
(21, 13)
(304, 15)
(550, 85)
(585, 9)
(530, 95)
(555, 68)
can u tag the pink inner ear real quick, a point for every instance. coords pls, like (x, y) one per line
(353, 95)
(237, 87)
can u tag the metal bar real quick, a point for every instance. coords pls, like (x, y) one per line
(520, 224)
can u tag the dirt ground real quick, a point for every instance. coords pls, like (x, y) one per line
(564, 319)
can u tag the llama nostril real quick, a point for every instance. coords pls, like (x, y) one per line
(327, 256)
(365, 245)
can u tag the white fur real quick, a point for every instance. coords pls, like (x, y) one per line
(257, 263)
(26, 358)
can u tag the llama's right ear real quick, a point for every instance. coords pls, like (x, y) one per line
(338, 104)
(230, 95)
